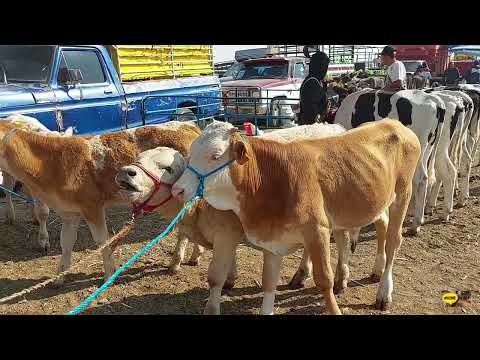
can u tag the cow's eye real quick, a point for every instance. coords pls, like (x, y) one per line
(168, 169)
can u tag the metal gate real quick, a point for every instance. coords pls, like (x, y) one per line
(235, 106)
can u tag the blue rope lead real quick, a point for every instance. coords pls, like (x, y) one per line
(130, 261)
(27, 200)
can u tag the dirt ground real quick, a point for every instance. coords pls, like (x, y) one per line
(442, 257)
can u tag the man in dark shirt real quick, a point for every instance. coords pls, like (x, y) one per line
(473, 75)
(451, 74)
(313, 96)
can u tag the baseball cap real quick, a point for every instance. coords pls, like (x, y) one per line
(388, 50)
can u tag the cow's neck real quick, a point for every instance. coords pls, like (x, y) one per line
(269, 184)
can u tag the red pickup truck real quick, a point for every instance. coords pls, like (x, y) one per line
(268, 87)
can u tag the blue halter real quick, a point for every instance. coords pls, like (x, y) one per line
(202, 177)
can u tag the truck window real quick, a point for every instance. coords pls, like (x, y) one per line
(262, 70)
(88, 63)
(26, 63)
(299, 70)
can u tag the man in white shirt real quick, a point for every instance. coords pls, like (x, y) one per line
(396, 75)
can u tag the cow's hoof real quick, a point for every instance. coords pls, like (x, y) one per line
(383, 299)
(298, 280)
(45, 248)
(211, 309)
(58, 283)
(109, 273)
(173, 269)
(43, 243)
(229, 284)
(413, 230)
(382, 304)
(193, 262)
(339, 286)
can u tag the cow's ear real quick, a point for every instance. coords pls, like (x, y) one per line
(240, 152)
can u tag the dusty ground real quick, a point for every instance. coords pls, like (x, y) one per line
(442, 257)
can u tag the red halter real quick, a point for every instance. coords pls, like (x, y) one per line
(144, 206)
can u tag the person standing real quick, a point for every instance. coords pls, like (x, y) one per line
(451, 75)
(313, 94)
(424, 71)
(396, 74)
(473, 75)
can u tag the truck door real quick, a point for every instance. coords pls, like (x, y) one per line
(92, 104)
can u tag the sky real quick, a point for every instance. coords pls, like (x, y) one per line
(227, 52)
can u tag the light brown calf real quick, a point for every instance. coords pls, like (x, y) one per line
(289, 195)
(76, 175)
(40, 211)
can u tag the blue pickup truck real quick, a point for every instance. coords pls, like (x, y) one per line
(79, 86)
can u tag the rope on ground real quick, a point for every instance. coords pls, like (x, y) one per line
(79, 308)
(113, 242)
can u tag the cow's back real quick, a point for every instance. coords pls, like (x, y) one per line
(423, 113)
(359, 170)
(111, 151)
(352, 176)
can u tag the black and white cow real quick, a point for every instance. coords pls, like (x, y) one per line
(447, 159)
(470, 134)
(472, 137)
(423, 113)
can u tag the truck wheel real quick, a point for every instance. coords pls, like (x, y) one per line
(184, 115)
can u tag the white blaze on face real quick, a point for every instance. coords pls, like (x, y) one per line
(207, 153)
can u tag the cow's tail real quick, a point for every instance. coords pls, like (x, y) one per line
(440, 115)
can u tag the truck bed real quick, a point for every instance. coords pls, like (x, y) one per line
(152, 86)
(145, 62)
(154, 101)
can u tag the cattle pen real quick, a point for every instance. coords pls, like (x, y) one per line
(99, 223)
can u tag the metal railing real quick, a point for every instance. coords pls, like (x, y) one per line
(263, 111)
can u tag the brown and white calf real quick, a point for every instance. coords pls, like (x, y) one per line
(40, 211)
(76, 175)
(289, 195)
(222, 230)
